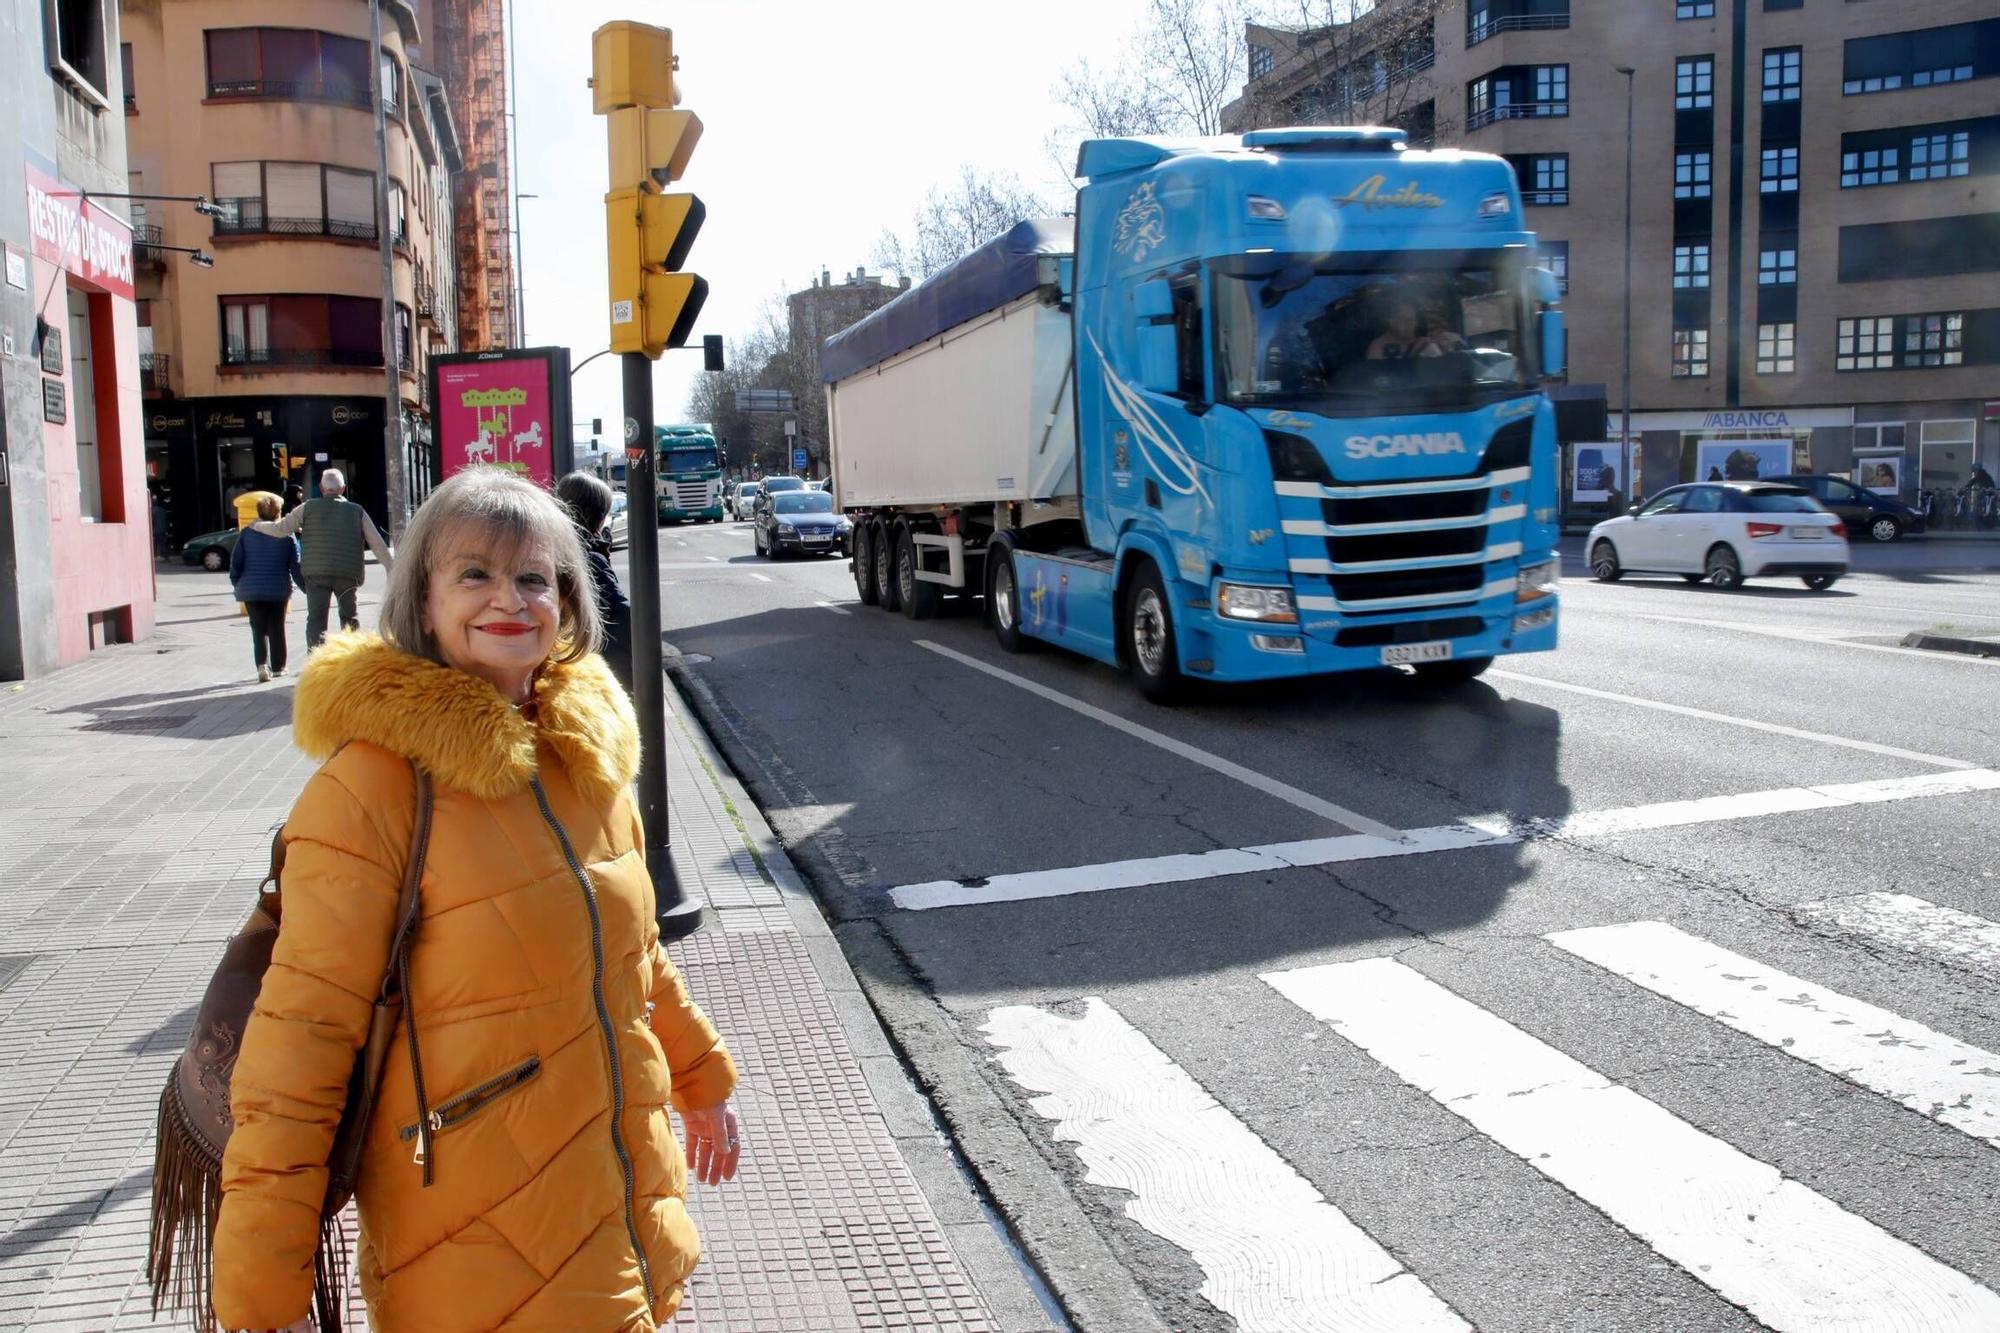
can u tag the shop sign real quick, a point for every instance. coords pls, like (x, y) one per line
(223, 421)
(69, 231)
(54, 409)
(1745, 418)
(52, 349)
(162, 423)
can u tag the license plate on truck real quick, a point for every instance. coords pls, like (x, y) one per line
(1397, 654)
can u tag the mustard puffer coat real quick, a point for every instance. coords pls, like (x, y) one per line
(552, 1030)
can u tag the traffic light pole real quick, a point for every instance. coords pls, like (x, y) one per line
(678, 915)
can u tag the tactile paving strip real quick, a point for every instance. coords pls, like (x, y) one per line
(824, 1229)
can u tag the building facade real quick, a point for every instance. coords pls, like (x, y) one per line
(813, 316)
(75, 525)
(1815, 210)
(270, 366)
(464, 44)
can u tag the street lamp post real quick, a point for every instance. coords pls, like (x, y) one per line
(1625, 373)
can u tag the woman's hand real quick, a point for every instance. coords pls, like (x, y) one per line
(713, 1147)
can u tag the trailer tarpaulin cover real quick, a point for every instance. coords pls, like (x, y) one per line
(994, 274)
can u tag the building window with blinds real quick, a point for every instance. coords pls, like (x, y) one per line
(294, 199)
(302, 331)
(286, 64)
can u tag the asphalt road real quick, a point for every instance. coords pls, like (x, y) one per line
(1223, 1060)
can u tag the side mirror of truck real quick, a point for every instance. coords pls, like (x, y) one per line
(1554, 342)
(1159, 362)
(1153, 300)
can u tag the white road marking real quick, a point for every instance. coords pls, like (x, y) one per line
(1773, 728)
(1274, 1253)
(716, 558)
(762, 578)
(1793, 1258)
(1928, 1072)
(1485, 831)
(829, 606)
(1284, 791)
(1910, 924)
(1828, 638)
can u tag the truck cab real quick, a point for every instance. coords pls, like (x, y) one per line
(690, 474)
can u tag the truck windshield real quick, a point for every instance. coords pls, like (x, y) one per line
(1355, 333)
(691, 460)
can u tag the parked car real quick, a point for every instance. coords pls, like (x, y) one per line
(1882, 517)
(620, 528)
(1722, 533)
(744, 501)
(800, 521)
(210, 550)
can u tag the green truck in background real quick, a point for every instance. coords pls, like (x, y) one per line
(690, 473)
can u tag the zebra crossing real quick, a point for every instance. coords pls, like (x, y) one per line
(1278, 1257)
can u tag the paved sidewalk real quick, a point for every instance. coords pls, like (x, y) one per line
(138, 791)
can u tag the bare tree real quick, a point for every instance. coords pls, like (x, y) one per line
(1184, 61)
(1352, 62)
(956, 219)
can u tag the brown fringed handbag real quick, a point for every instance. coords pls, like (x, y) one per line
(195, 1120)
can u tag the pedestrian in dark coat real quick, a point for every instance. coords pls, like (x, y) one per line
(265, 568)
(589, 500)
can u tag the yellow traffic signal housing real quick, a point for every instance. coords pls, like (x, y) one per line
(651, 145)
(648, 234)
(632, 64)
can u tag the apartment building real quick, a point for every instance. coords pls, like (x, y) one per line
(1815, 212)
(267, 366)
(75, 530)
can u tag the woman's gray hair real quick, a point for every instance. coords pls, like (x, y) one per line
(505, 515)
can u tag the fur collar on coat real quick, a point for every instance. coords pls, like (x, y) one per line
(358, 688)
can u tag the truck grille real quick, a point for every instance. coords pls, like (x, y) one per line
(1467, 542)
(1409, 631)
(1408, 583)
(691, 495)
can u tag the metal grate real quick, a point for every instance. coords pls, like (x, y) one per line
(140, 725)
(12, 966)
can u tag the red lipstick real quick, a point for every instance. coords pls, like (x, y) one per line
(505, 627)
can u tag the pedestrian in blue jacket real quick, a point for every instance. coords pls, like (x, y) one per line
(264, 567)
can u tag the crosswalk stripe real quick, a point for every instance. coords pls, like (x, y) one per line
(1910, 924)
(1275, 1254)
(1793, 1258)
(1932, 1074)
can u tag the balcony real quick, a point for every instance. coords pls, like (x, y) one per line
(146, 251)
(155, 374)
(425, 295)
(300, 358)
(246, 217)
(1545, 197)
(1515, 111)
(291, 90)
(1493, 27)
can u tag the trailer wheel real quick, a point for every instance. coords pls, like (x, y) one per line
(1003, 602)
(1150, 647)
(885, 574)
(864, 563)
(919, 600)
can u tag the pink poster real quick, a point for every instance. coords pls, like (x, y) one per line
(497, 410)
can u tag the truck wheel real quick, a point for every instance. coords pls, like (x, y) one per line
(885, 575)
(864, 564)
(919, 599)
(1003, 601)
(1150, 649)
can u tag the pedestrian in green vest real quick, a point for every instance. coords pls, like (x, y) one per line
(334, 533)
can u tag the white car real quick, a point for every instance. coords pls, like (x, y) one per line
(745, 499)
(620, 529)
(1722, 532)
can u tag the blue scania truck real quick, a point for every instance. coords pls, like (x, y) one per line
(1270, 405)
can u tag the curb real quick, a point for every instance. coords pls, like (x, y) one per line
(1017, 1296)
(1946, 643)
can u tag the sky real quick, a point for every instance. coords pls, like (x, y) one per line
(823, 125)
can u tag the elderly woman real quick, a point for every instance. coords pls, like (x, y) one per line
(551, 1033)
(263, 570)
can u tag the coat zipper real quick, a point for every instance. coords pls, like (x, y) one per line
(454, 1110)
(610, 1033)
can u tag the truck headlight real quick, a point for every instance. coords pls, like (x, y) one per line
(1247, 601)
(1537, 580)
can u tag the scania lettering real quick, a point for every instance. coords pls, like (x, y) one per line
(1270, 405)
(690, 482)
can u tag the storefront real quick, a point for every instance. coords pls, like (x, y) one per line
(233, 445)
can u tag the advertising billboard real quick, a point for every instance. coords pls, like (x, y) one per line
(507, 409)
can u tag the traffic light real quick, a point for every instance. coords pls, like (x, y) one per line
(653, 305)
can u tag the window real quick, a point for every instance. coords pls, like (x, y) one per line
(392, 85)
(399, 218)
(1667, 502)
(1780, 171)
(1694, 82)
(1770, 5)
(1932, 247)
(1189, 345)
(1694, 9)
(1691, 265)
(1261, 60)
(1777, 268)
(1781, 74)
(1555, 258)
(1865, 344)
(1777, 349)
(296, 64)
(1921, 58)
(1935, 156)
(1692, 174)
(1690, 354)
(1869, 166)
(1551, 179)
(1552, 83)
(83, 418)
(76, 50)
(125, 76)
(301, 331)
(1933, 340)
(404, 343)
(294, 199)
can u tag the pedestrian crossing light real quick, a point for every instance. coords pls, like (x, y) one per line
(653, 304)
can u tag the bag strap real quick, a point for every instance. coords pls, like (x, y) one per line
(397, 975)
